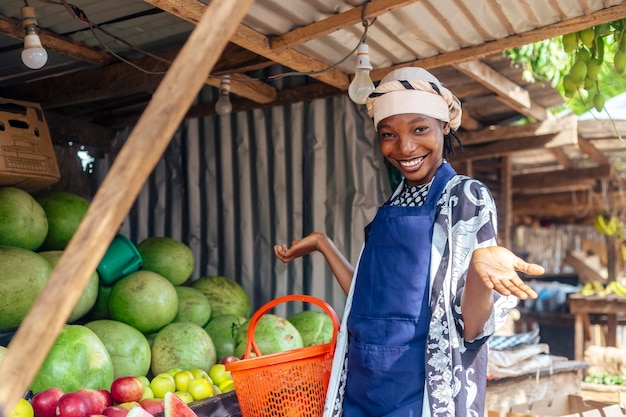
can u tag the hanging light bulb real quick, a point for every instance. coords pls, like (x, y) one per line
(361, 86)
(33, 54)
(223, 105)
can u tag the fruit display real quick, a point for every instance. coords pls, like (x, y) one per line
(154, 337)
(605, 378)
(599, 289)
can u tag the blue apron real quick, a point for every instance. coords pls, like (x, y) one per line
(390, 314)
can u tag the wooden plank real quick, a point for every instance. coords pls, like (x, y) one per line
(336, 22)
(521, 132)
(506, 90)
(606, 15)
(562, 177)
(507, 147)
(133, 165)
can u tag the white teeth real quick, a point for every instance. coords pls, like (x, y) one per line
(412, 162)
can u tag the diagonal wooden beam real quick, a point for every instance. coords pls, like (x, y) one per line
(247, 38)
(141, 152)
(506, 90)
(336, 22)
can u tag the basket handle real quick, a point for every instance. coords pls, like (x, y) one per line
(250, 343)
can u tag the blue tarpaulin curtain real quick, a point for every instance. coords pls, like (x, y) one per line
(231, 187)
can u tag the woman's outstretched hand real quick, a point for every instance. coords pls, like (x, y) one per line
(497, 267)
(298, 247)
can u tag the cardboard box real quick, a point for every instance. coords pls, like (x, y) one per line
(562, 406)
(27, 158)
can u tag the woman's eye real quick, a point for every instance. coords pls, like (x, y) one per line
(421, 129)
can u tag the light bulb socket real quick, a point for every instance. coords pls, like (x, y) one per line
(225, 85)
(363, 57)
(28, 17)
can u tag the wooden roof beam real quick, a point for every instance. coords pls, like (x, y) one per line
(562, 178)
(336, 22)
(506, 90)
(506, 133)
(192, 10)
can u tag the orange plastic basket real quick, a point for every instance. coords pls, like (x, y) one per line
(285, 384)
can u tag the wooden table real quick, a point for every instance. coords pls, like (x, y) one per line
(582, 307)
(563, 377)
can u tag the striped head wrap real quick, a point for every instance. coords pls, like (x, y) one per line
(413, 90)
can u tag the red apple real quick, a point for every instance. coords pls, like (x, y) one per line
(74, 404)
(106, 394)
(228, 359)
(153, 405)
(99, 400)
(126, 389)
(115, 411)
(45, 402)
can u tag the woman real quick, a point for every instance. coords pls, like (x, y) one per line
(431, 285)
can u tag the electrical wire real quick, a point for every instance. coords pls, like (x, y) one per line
(79, 14)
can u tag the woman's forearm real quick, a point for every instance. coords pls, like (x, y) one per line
(339, 265)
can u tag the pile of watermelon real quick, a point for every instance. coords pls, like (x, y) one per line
(146, 323)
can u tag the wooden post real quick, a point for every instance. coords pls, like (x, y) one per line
(612, 257)
(136, 160)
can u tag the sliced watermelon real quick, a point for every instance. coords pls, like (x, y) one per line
(176, 407)
(138, 411)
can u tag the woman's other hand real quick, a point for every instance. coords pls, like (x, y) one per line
(497, 267)
(298, 247)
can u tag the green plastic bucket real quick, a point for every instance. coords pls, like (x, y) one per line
(121, 258)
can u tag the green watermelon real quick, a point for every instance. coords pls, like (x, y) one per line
(225, 295)
(23, 221)
(90, 293)
(223, 330)
(128, 347)
(315, 327)
(184, 346)
(64, 212)
(168, 257)
(23, 276)
(78, 359)
(273, 334)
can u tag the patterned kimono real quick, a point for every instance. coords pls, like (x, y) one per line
(455, 369)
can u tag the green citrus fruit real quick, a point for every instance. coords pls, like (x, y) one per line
(225, 295)
(23, 221)
(183, 346)
(144, 300)
(168, 257)
(128, 347)
(193, 306)
(23, 276)
(64, 212)
(90, 293)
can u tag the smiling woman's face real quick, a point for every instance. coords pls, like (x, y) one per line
(413, 143)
